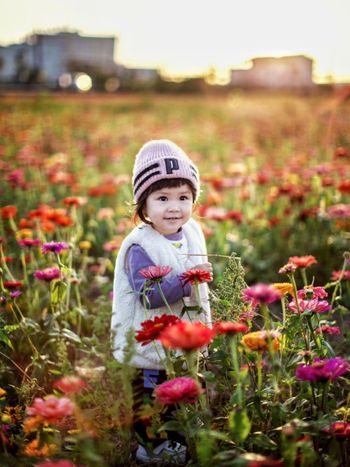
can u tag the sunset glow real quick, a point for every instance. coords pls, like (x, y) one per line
(190, 37)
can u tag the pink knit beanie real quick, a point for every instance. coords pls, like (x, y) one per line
(160, 159)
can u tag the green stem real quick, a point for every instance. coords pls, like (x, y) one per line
(235, 362)
(337, 284)
(296, 301)
(163, 297)
(303, 275)
(259, 368)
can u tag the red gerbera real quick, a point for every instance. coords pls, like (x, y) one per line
(229, 327)
(12, 284)
(151, 329)
(186, 336)
(196, 276)
(302, 261)
(155, 272)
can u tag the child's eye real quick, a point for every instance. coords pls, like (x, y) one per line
(184, 198)
(162, 198)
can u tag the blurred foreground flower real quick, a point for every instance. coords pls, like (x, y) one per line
(59, 463)
(155, 273)
(51, 409)
(70, 384)
(151, 329)
(260, 294)
(181, 389)
(323, 370)
(186, 336)
(259, 340)
(8, 212)
(47, 274)
(33, 449)
(196, 276)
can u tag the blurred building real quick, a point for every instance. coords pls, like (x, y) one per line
(290, 72)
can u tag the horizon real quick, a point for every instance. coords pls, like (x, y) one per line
(225, 38)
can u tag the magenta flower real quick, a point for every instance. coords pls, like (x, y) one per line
(312, 292)
(54, 247)
(327, 329)
(181, 389)
(47, 274)
(29, 242)
(260, 294)
(314, 305)
(154, 273)
(323, 370)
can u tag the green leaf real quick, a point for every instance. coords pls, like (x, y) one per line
(5, 339)
(70, 335)
(239, 424)
(171, 425)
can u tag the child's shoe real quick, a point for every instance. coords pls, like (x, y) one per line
(170, 451)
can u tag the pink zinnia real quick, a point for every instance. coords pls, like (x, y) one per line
(339, 429)
(54, 247)
(314, 292)
(59, 463)
(51, 409)
(327, 329)
(47, 274)
(260, 294)
(323, 370)
(181, 389)
(344, 275)
(155, 273)
(314, 305)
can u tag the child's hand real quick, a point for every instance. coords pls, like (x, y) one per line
(206, 267)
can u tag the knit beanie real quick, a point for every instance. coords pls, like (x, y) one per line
(160, 159)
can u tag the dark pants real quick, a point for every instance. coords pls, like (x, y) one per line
(143, 387)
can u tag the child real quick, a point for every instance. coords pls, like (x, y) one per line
(165, 186)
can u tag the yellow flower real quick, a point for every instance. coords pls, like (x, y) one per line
(85, 245)
(284, 287)
(2, 392)
(258, 340)
(24, 233)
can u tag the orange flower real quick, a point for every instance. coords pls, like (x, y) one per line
(302, 261)
(258, 340)
(32, 423)
(186, 336)
(33, 450)
(70, 384)
(8, 212)
(284, 288)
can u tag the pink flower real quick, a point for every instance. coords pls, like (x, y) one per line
(47, 274)
(181, 389)
(51, 409)
(312, 292)
(29, 242)
(155, 273)
(54, 247)
(260, 293)
(327, 329)
(323, 370)
(314, 305)
(340, 275)
(59, 463)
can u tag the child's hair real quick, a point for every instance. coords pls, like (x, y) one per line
(139, 209)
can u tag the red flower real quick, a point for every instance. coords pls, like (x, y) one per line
(327, 329)
(186, 336)
(302, 261)
(181, 389)
(339, 429)
(8, 212)
(70, 384)
(341, 152)
(154, 273)
(51, 409)
(151, 329)
(74, 201)
(344, 186)
(229, 327)
(196, 276)
(12, 284)
(343, 275)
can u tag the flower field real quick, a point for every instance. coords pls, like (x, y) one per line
(273, 387)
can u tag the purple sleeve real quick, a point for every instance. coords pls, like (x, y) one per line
(173, 289)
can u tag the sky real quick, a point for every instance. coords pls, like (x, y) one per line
(188, 37)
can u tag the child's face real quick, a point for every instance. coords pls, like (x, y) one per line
(169, 208)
